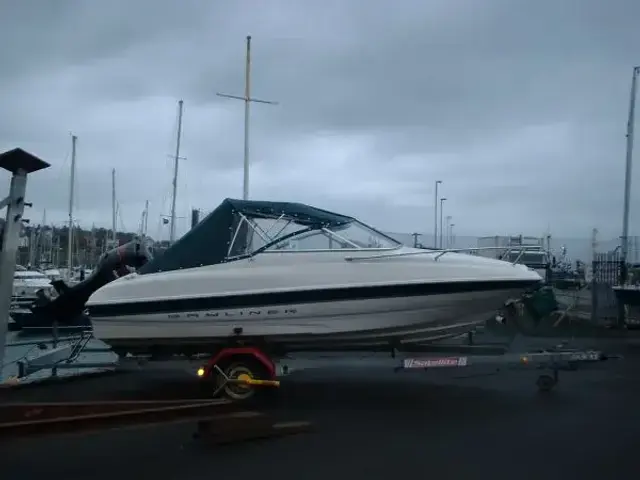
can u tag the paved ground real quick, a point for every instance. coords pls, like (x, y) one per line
(378, 426)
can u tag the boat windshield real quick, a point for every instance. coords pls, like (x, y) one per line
(284, 234)
(240, 228)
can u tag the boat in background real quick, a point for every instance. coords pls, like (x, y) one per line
(65, 308)
(628, 294)
(529, 251)
(52, 273)
(26, 284)
(294, 277)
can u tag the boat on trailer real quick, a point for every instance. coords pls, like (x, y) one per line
(291, 277)
(628, 294)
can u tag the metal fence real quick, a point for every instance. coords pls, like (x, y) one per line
(605, 271)
(595, 301)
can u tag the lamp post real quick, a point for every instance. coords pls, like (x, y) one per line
(435, 216)
(442, 200)
(20, 164)
(451, 237)
(446, 234)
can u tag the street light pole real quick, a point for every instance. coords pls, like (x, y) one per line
(446, 235)
(435, 216)
(442, 200)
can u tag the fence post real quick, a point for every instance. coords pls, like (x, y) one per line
(594, 292)
(622, 280)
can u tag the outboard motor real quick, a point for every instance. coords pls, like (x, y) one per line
(68, 307)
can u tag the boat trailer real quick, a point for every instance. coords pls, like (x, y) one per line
(256, 367)
(238, 372)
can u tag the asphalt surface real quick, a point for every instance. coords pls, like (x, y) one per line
(373, 425)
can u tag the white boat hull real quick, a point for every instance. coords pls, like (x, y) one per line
(398, 321)
(355, 288)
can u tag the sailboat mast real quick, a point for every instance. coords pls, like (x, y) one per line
(146, 218)
(41, 238)
(172, 234)
(627, 176)
(114, 236)
(71, 195)
(247, 99)
(32, 246)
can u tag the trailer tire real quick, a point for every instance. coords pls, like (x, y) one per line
(546, 383)
(234, 368)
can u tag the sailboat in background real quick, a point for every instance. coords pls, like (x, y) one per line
(172, 217)
(67, 271)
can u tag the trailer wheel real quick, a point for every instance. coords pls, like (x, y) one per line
(546, 383)
(237, 368)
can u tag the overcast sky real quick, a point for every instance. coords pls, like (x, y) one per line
(519, 106)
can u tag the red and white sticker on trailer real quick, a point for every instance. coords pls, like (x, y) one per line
(422, 363)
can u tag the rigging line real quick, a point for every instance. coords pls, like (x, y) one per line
(163, 206)
(159, 229)
(119, 213)
(61, 170)
(76, 188)
(171, 141)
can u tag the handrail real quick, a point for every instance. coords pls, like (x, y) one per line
(440, 252)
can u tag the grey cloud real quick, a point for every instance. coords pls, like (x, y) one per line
(504, 64)
(46, 35)
(520, 107)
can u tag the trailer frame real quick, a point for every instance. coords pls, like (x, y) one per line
(255, 364)
(239, 371)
